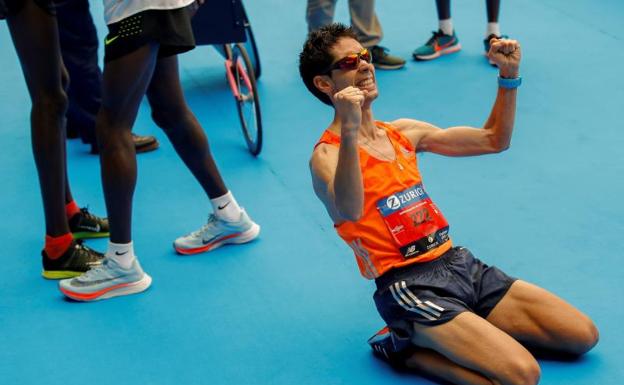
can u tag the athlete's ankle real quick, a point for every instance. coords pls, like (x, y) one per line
(57, 246)
(226, 208)
(122, 253)
(71, 209)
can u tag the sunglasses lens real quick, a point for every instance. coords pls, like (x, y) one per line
(348, 63)
(366, 56)
(352, 61)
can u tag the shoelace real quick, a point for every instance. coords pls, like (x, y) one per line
(436, 34)
(85, 212)
(83, 251)
(212, 219)
(94, 271)
(80, 248)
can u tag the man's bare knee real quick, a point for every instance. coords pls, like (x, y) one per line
(53, 102)
(585, 338)
(520, 371)
(112, 135)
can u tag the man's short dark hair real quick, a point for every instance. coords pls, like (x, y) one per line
(316, 58)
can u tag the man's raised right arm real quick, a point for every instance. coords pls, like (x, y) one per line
(337, 179)
(335, 170)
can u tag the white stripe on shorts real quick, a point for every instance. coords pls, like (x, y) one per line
(399, 298)
(426, 305)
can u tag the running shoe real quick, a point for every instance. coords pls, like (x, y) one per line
(217, 232)
(76, 260)
(86, 225)
(389, 349)
(106, 281)
(144, 143)
(439, 44)
(486, 44)
(383, 60)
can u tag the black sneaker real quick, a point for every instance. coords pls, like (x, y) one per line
(383, 60)
(86, 225)
(486, 45)
(76, 260)
(392, 350)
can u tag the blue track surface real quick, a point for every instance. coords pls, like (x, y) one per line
(291, 307)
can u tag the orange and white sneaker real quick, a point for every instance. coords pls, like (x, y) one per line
(439, 44)
(106, 281)
(218, 232)
(390, 348)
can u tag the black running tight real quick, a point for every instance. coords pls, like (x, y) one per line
(492, 6)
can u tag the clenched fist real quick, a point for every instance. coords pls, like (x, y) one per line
(505, 53)
(348, 103)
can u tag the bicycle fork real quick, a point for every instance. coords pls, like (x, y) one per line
(229, 71)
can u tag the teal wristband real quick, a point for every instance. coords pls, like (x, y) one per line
(509, 84)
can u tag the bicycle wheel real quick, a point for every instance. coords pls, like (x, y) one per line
(248, 102)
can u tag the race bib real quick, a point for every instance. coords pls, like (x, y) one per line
(414, 221)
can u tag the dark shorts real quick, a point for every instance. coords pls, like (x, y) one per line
(11, 7)
(171, 29)
(435, 292)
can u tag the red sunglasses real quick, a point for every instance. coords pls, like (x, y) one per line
(350, 62)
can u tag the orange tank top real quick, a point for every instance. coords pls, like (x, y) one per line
(400, 224)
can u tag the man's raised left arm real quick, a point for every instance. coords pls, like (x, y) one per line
(495, 135)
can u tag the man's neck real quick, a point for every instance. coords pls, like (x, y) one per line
(367, 127)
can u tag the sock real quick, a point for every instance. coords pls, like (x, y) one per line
(71, 209)
(446, 26)
(122, 253)
(225, 207)
(57, 246)
(492, 28)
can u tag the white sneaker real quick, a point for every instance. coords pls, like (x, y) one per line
(217, 232)
(106, 281)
